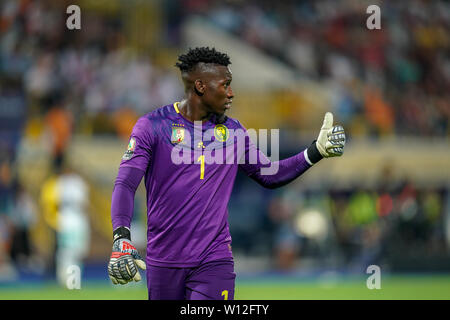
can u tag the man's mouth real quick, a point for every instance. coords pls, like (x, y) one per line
(228, 105)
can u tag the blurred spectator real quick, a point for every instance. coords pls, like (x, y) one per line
(446, 223)
(73, 233)
(379, 112)
(12, 115)
(7, 270)
(23, 218)
(124, 120)
(6, 187)
(49, 205)
(59, 123)
(286, 241)
(64, 200)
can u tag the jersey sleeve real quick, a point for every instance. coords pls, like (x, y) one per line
(122, 201)
(272, 174)
(135, 162)
(140, 146)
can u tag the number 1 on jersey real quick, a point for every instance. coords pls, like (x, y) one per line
(225, 294)
(201, 159)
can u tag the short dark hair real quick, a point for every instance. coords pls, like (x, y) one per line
(190, 59)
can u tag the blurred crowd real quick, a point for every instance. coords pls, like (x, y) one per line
(93, 72)
(399, 225)
(394, 80)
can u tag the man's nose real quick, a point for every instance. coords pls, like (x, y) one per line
(230, 94)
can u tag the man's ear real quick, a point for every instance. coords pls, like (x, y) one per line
(199, 87)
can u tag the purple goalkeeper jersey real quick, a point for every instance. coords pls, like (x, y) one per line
(189, 172)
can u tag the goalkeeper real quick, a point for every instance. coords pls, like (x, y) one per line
(189, 252)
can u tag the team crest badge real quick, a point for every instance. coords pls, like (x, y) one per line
(177, 134)
(130, 150)
(221, 132)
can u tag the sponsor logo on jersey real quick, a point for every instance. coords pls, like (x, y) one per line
(221, 132)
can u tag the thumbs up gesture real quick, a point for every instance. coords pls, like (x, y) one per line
(331, 140)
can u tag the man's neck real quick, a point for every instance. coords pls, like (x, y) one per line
(192, 111)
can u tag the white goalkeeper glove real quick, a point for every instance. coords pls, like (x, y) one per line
(330, 143)
(125, 259)
(331, 140)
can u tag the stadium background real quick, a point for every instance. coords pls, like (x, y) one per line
(69, 99)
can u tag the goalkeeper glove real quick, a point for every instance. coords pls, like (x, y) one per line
(330, 143)
(125, 259)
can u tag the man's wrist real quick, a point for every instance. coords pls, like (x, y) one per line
(313, 154)
(121, 233)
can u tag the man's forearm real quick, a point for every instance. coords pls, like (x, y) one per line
(288, 169)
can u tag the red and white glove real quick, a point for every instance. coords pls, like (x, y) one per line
(125, 259)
